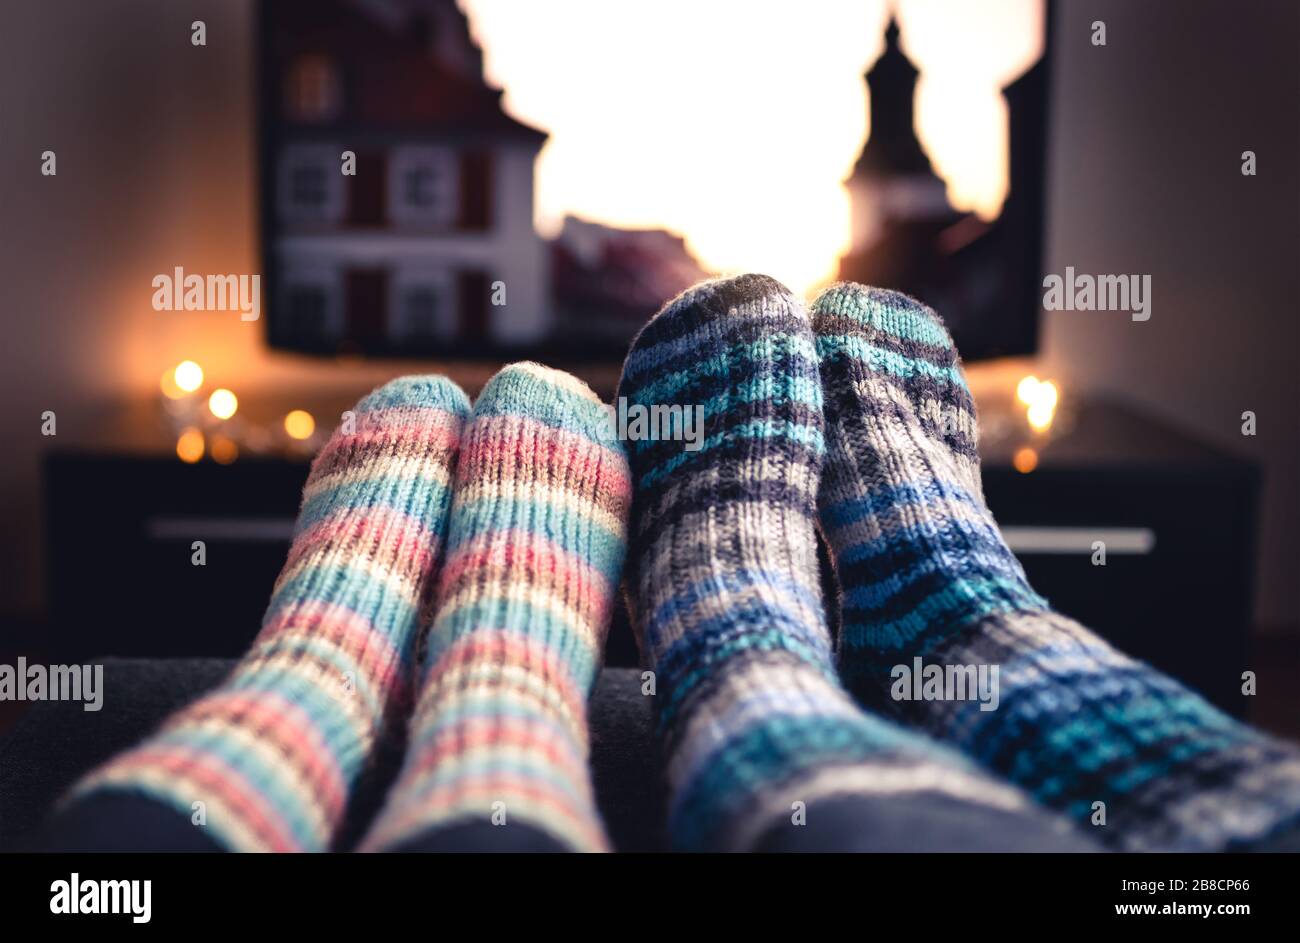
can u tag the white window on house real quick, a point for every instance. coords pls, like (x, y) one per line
(313, 89)
(423, 186)
(311, 303)
(422, 306)
(310, 184)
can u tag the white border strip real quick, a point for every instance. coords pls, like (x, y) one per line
(1062, 540)
(254, 529)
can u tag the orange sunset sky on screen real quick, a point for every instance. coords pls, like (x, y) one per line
(734, 122)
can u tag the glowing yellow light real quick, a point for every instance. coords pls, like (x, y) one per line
(168, 385)
(1027, 390)
(188, 376)
(223, 403)
(1025, 460)
(189, 447)
(224, 450)
(299, 424)
(1040, 415)
(1040, 396)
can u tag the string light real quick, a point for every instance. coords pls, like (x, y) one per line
(200, 425)
(299, 424)
(168, 385)
(188, 376)
(223, 403)
(189, 446)
(1026, 389)
(1025, 460)
(224, 450)
(1041, 397)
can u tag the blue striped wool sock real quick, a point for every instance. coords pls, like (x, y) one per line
(726, 600)
(924, 573)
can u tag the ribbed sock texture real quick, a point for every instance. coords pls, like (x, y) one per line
(724, 586)
(267, 761)
(534, 555)
(924, 573)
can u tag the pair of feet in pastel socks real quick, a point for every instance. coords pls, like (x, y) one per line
(857, 419)
(505, 525)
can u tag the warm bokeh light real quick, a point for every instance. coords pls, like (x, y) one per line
(188, 376)
(735, 123)
(168, 385)
(299, 424)
(1041, 397)
(224, 450)
(189, 446)
(1025, 460)
(1027, 389)
(223, 403)
(1040, 416)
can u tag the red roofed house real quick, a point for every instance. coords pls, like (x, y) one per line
(404, 252)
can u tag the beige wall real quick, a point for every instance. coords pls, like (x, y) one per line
(156, 169)
(1146, 178)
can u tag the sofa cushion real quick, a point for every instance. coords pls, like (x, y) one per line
(55, 742)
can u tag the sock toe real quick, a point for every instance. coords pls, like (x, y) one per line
(721, 296)
(847, 307)
(738, 353)
(737, 309)
(553, 397)
(889, 350)
(430, 391)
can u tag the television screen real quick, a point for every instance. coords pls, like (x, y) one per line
(398, 203)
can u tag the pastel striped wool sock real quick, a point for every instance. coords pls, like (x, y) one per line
(274, 753)
(534, 554)
(925, 574)
(726, 598)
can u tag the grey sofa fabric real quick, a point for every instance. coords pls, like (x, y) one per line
(55, 742)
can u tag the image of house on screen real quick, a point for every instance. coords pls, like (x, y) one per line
(398, 194)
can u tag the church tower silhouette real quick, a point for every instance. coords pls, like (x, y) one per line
(897, 200)
(893, 147)
(984, 275)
